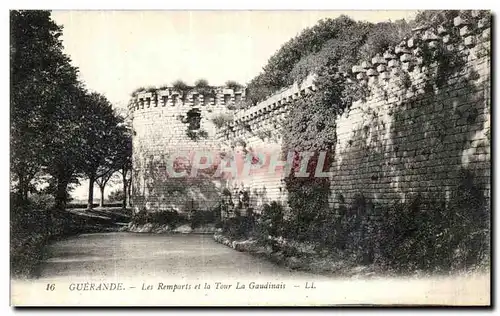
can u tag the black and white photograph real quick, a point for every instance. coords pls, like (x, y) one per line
(250, 158)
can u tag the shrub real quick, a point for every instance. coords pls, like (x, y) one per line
(42, 201)
(257, 92)
(116, 195)
(270, 223)
(421, 233)
(469, 231)
(180, 86)
(137, 90)
(199, 217)
(151, 89)
(172, 218)
(308, 200)
(197, 134)
(204, 88)
(403, 228)
(239, 227)
(201, 84)
(140, 218)
(25, 219)
(427, 234)
(231, 84)
(222, 119)
(30, 230)
(239, 105)
(217, 211)
(382, 36)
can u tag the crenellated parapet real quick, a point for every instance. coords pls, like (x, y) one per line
(269, 114)
(216, 97)
(418, 56)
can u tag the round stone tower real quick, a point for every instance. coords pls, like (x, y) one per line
(168, 123)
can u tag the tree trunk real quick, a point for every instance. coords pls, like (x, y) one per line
(25, 193)
(61, 194)
(129, 190)
(23, 189)
(101, 203)
(124, 178)
(23, 186)
(90, 202)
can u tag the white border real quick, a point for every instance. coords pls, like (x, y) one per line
(194, 5)
(248, 5)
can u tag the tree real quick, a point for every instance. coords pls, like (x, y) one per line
(64, 147)
(124, 162)
(276, 73)
(100, 141)
(119, 151)
(44, 94)
(124, 155)
(102, 181)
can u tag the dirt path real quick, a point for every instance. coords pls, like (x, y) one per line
(148, 255)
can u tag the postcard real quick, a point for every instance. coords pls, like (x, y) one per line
(250, 158)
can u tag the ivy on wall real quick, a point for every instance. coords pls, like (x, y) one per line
(311, 126)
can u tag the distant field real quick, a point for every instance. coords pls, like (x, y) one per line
(83, 204)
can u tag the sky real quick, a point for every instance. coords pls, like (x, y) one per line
(119, 51)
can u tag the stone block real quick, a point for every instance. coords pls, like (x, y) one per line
(486, 35)
(459, 21)
(470, 41)
(405, 58)
(357, 69)
(366, 65)
(393, 63)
